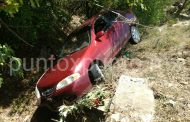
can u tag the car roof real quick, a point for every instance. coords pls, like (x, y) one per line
(91, 20)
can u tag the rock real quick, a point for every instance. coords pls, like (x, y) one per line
(134, 98)
(188, 105)
(125, 119)
(186, 54)
(183, 23)
(181, 60)
(184, 83)
(170, 103)
(27, 119)
(180, 54)
(115, 117)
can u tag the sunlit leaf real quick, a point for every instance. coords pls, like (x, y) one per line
(1, 81)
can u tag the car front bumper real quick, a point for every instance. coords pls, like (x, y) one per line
(78, 88)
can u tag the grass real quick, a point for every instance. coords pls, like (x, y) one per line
(167, 74)
(160, 39)
(161, 59)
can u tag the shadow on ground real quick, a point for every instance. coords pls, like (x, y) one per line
(43, 114)
(18, 89)
(10, 90)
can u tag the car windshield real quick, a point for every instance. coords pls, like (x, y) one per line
(76, 41)
(110, 16)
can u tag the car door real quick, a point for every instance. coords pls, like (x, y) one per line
(109, 44)
(114, 33)
(103, 45)
(120, 34)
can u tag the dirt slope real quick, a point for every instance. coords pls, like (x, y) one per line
(163, 57)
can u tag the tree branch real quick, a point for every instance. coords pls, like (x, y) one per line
(14, 33)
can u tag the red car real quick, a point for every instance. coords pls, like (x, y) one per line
(92, 45)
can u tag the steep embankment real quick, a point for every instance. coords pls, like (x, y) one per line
(163, 57)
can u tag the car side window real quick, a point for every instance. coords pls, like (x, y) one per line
(104, 22)
(100, 25)
(110, 16)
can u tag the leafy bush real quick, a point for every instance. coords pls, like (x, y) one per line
(155, 11)
(91, 100)
(40, 26)
(1, 80)
(148, 11)
(6, 54)
(12, 6)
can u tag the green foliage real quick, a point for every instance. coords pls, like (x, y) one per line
(148, 11)
(16, 64)
(122, 4)
(12, 6)
(40, 26)
(1, 81)
(6, 54)
(154, 13)
(91, 100)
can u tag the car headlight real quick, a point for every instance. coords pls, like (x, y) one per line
(67, 81)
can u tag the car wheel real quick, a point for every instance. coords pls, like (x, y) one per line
(96, 74)
(135, 35)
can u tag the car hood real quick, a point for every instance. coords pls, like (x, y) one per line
(65, 67)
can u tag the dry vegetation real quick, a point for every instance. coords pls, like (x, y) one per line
(163, 57)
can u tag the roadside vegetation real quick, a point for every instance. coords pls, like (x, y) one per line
(36, 28)
(30, 28)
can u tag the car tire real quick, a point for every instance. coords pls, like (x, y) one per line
(96, 73)
(135, 35)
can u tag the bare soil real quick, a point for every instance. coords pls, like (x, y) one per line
(163, 58)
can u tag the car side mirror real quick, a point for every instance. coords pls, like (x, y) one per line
(99, 34)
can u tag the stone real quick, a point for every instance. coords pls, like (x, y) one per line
(134, 99)
(186, 54)
(115, 117)
(170, 103)
(181, 60)
(184, 83)
(125, 119)
(27, 119)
